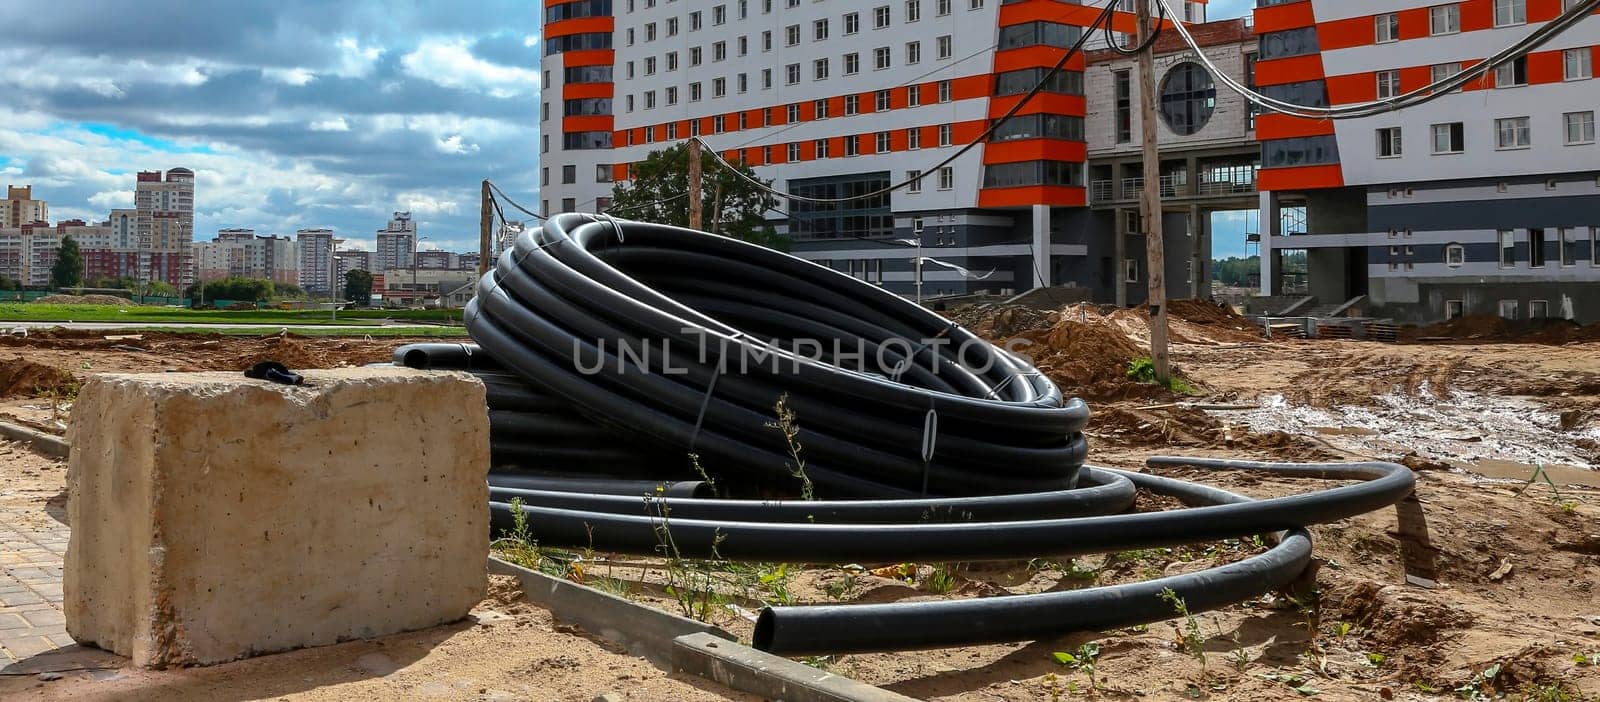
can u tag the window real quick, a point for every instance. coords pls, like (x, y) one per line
(944, 135)
(719, 14)
(672, 26)
(821, 108)
(1289, 42)
(569, 204)
(744, 84)
(1508, 309)
(852, 63)
(672, 60)
(852, 145)
(1448, 138)
(1577, 63)
(791, 35)
(944, 91)
(1511, 73)
(822, 148)
(792, 113)
(913, 10)
(1508, 248)
(1509, 12)
(1388, 84)
(1389, 142)
(602, 173)
(794, 151)
(1452, 309)
(1538, 309)
(1580, 127)
(544, 176)
(650, 65)
(819, 69)
(719, 87)
(1037, 126)
(649, 101)
(882, 143)
(852, 105)
(1594, 246)
(1187, 98)
(744, 11)
(1455, 255)
(1039, 33)
(913, 95)
(630, 36)
(766, 41)
(672, 130)
(1443, 71)
(695, 55)
(819, 30)
(881, 101)
(1444, 19)
(1124, 83)
(672, 95)
(1299, 151)
(1026, 173)
(1386, 28)
(694, 92)
(941, 7)
(1064, 82)
(914, 138)
(744, 46)
(1569, 245)
(913, 52)
(880, 17)
(880, 58)
(792, 74)
(766, 79)
(650, 32)
(974, 4)
(942, 48)
(719, 51)
(1512, 133)
(852, 22)
(1536, 248)
(694, 21)
(1130, 270)
(947, 178)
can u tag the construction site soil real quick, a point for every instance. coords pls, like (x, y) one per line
(1513, 609)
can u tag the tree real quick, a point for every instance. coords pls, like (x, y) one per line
(9, 284)
(160, 288)
(68, 270)
(732, 206)
(358, 287)
(235, 289)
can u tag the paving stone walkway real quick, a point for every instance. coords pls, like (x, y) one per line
(31, 555)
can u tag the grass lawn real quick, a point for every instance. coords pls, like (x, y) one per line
(34, 312)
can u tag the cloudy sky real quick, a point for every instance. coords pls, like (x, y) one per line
(292, 113)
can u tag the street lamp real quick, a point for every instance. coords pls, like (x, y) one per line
(333, 278)
(920, 259)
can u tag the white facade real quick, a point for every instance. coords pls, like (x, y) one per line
(314, 248)
(396, 242)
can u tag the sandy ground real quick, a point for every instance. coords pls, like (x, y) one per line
(1514, 613)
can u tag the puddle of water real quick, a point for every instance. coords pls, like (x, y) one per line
(1559, 474)
(1498, 437)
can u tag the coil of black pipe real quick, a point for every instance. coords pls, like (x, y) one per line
(922, 450)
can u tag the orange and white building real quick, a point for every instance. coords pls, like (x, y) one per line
(1485, 201)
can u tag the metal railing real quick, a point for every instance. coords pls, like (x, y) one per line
(1100, 190)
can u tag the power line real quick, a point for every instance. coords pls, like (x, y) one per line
(1428, 93)
(994, 126)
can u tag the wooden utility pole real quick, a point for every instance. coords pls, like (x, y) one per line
(485, 227)
(1155, 255)
(694, 183)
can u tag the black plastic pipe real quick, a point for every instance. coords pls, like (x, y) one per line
(631, 490)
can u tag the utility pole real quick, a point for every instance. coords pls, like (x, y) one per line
(694, 183)
(1155, 254)
(485, 223)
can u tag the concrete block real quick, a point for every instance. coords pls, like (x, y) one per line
(216, 517)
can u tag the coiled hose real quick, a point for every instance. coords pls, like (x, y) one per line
(920, 451)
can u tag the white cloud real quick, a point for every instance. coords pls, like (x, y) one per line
(452, 145)
(426, 204)
(112, 199)
(289, 76)
(449, 62)
(334, 124)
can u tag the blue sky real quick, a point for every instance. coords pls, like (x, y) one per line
(292, 113)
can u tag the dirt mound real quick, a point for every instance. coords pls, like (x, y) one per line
(22, 377)
(84, 300)
(1088, 360)
(1207, 312)
(1391, 615)
(1485, 327)
(291, 351)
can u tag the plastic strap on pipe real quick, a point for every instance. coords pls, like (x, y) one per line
(930, 435)
(700, 417)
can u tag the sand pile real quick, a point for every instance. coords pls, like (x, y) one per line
(24, 378)
(1487, 327)
(84, 300)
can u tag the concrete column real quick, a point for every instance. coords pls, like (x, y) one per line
(1120, 249)
(1196, 238)
(1191, 174)
(1270, 221)
(1041, 246)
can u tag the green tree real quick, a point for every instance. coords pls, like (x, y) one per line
(9, 284)
(358, 287)
(159, 288)
(236, 289)
(730, 205)
(68, 270)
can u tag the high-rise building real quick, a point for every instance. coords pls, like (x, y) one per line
(243, 254)
(165, 205)
(346, 261)
(1483, 201)
(396, 242)
(20, 208)
(833, 100)
(315, 250)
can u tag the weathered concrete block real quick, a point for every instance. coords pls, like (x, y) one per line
(216, 517)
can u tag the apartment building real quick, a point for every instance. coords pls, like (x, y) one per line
(397, 241)
(20, 208)
(165, 206)
(831, 99)
(244, 254)
(314, 248)
(1485, 201)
